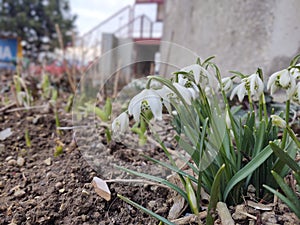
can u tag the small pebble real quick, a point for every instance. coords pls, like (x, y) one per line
(8, 158)
(1, 184)
(58, 185)
(83, 217)
(48, 161)
(61, 190)
(20, 161)
(12, 162)
(19, 193)
(85, 192)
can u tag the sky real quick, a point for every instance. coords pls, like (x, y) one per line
(92, 12)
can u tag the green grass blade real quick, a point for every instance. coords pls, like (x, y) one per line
(284, 199)
(284, 157)
(248, 169)
(170, 167)
(156, 179)
(149, 212)
(214, 195)
(287, 190)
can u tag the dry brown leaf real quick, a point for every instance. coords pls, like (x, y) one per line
(101, 188)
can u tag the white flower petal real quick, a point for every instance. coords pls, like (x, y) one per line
(241, 91)
(233, 93)
(272, 79)
(155, 106)
(121, 123)
(227, 84)
(291, 90)
(285, 78)
(165, 93)
(184, 93)
(196, 69)
(181, 80)
(148, 95)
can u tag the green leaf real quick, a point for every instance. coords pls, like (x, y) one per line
(170, 167)
(214, 195)
(285, 200)
(248, 169)
(192, 200)
(149, 212)
(156, 179)
(285, 157)
(294, 60)
(208, 59)
(101, 114)
(287, 190)
(108, 107)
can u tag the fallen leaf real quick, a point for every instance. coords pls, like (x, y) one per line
(259, 206)
(101, 188)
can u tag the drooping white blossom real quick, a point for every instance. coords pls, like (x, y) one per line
(120, 124)
(146, 98)
(295, 72)
(166, 94)
(278, 121)
(227, 84)
(282, 80)
(202, 76)
(240, 91)
(256, 85)
(251, 85)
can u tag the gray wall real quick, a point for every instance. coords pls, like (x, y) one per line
(242, 34)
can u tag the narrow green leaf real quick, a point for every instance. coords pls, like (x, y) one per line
(284, 199)
(214, 195)
(287, 190)
(149, 212)
(101, 114)
(156, 179)
(108, 107)
(208, 59)
(170, 167)
(294, 60)
(248, 169)
(285, 157)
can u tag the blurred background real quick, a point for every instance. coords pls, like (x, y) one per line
(72, 37)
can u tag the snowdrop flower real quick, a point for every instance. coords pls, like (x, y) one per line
(256, 85)
(227, 84)
(165, 93)
(148, 98)
(187, 85)
(196, 69)
(120, 124)
(295, 72)
(240, 91)
(185, 93)
(251, 84)
(278, 121)
(201, 75)
(282, 80)
(296, 94)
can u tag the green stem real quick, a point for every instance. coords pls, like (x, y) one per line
(293, 136)
(250, 101)
(287, 116)
(265, 108)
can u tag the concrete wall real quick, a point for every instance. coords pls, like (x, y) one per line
(242, 34)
